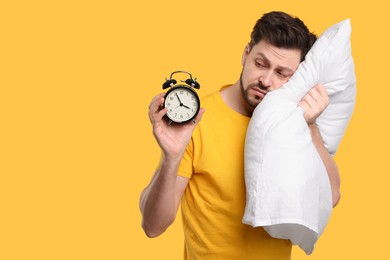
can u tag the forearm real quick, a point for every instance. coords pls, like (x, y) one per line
(330, 165)
(158, 202)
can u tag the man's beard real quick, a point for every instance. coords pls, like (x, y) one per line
(245, 93)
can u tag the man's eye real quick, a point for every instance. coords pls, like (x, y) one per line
(283, 75)
(260, 64)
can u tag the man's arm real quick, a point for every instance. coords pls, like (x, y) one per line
(161, 198)
(315, 101)
(330, 165)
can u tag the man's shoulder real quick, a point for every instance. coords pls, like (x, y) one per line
(209, 98)
(214, 98)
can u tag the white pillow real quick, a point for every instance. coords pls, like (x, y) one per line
(288, 190)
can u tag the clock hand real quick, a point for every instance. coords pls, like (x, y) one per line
(178, 99)
(181, 104)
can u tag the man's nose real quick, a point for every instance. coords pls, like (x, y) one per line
(266, 80)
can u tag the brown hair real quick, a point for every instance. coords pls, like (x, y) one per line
(283, 31)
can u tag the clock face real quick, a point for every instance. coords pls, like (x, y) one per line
(182, 103)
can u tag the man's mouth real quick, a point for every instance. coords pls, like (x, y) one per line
(259, 92)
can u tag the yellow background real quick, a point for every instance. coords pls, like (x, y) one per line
(76, 145)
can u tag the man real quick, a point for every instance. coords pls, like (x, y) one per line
(202, 164)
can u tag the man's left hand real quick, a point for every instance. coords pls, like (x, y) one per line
(314, 102)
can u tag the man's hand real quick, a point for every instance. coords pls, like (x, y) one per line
(314, 102)
(172, 138)
(160, 200)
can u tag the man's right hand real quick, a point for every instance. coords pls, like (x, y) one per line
(172, 138)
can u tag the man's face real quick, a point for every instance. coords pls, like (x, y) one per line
(265, 68)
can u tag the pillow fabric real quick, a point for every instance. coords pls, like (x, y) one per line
(287, 186)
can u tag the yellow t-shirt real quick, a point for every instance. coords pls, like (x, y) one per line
(214, 201)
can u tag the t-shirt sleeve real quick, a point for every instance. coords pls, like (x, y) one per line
(186, 168)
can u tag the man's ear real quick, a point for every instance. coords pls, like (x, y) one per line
(245, 54)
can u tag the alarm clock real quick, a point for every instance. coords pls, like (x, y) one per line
(181, 99)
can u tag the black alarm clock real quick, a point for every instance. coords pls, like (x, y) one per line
(181, 99)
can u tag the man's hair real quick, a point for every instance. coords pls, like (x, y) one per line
(283, 31)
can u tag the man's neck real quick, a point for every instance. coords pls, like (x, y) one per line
(232, 97)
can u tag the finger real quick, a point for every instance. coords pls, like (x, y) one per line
(156, 102)
(155, 108)
(303, 104)
(323, 94)
(157, 116)
(309, 99)
(320, 88)
(315, 98)
(320, 98)
(308, 113)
